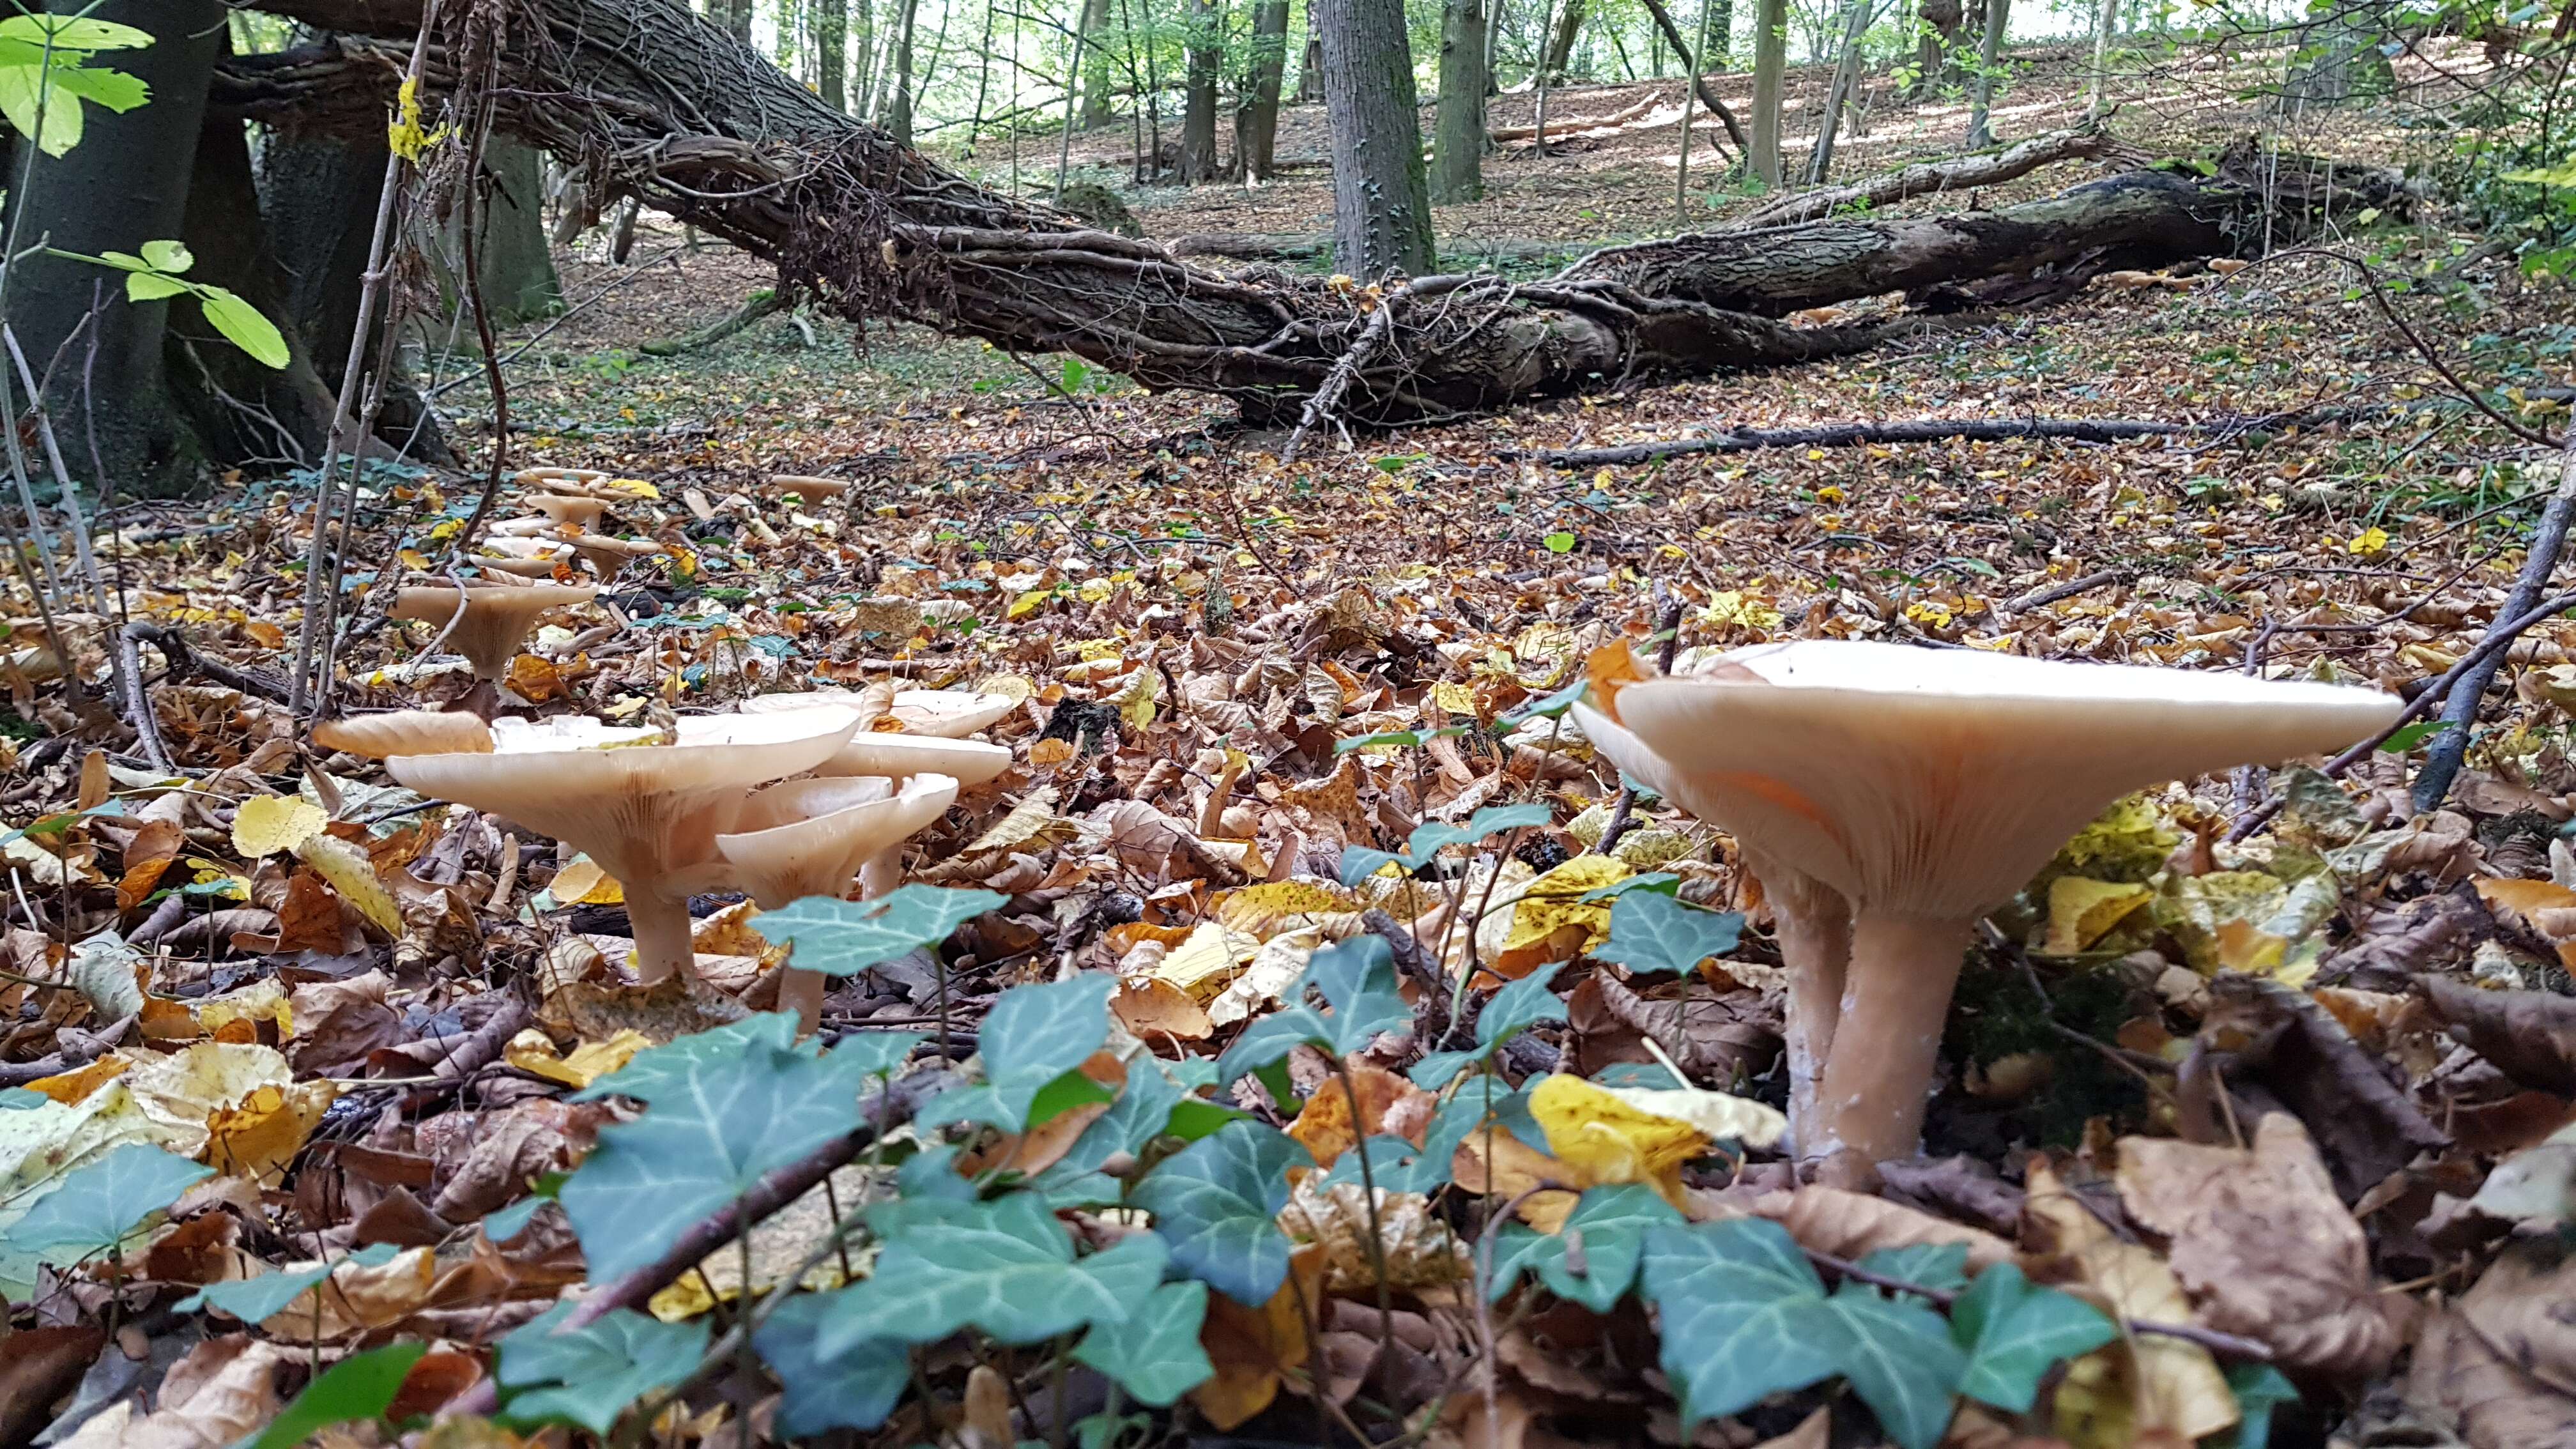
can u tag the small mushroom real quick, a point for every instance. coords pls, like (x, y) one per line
(607, 555)
(495, 619)
(830, 830)
(406, 732)
(579, 510)
(807, 488)
(949, 714)
(560, 479)
(649, 814)
(1924, 788)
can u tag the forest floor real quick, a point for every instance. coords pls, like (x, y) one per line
(2290, 1130)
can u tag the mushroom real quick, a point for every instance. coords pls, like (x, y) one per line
(577, 509)
(649, 814)
(607, 555)
(900, 757)
(494, 620)
(950, 714)
(807, 488)
(831, 830)
(406, 732)
(559, 479)
(1924, 788)
(873, 703)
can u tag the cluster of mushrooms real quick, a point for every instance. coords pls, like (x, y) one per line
(1887, 798)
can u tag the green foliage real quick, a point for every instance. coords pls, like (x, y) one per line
(1651, 931)
(359, 1387)
(256, 1300)
(842, 938)
(155, 275)
(98, 1205)
(589, 1375)
(2013, 1333)
(1612, 1223)
(853, 1389)
(1356, 979)
(47, 83)
(1155, 1354)
(1141, 1113)
(1512, 1010)
(1006, 1268)
(1428, 840)
(1217, 1204)
(1031, 1042)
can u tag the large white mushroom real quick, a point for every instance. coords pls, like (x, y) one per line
(494, 619)
(1920, 789)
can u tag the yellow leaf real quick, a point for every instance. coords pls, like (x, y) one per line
(2149, 1389)
(2369, 541)
(1261, 910)
(350, 873)
(1136, 704)
(584, 883)
(1718, 1115)
(633, 487)
(1204, 963)
(1608, 1142)
(2082, 911)
(1552, 922)
(69, 1088)
(532, 1051)
(267, 824)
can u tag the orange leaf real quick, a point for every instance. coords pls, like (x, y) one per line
(1252, 1348)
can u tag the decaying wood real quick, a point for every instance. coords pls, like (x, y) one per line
(1929, 178)
(659, 103)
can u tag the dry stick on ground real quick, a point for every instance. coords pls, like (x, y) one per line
(2498, 638)
(889, 1107)
(2041, 598)
(2548, 539)
(1338, 381)
(767, 302)
(1958, 173)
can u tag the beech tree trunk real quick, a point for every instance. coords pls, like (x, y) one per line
(1198, 159)
(1770, 66)
(1099, 73)
(125, 184)
(1458, 128)
(715, 136)
(1310, 69)
(1717, 36)
(1820, 161)
(831, 51)
(863, 53)
(518, 269)
(1560, 42)
(1990, 49)
(1936, 45)
(1381, 199)
(240, 408)
(1256, 122)
(898, 107)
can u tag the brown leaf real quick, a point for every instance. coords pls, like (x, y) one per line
(2529, 1035)
(1251, 1348)
(147, 856)
(2263, 1033)
(2264, 1247)
(224, 1390)
(1324, 1127)
(1850, 1225)
(490, 1166)
(1154, 1008)
(339, 1023)
(309, 918)
(41, 1366)
(2499, 1364)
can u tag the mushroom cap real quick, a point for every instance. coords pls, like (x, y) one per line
(809, 487)
(570, 507)
(406, 732)
(521, 568)
(496, 617)
(649, 814)
(607, 555)
(871, 702)
(900, 757)
(1935, 783)
(815, 854)
(560, 475)
(949, 714)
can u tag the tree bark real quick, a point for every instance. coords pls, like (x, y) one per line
(518, 270)
(1936, 45)
(241, 409)
(738, 19)
(125, 184)
(2338, 58)
(1707, 94)
(831, 51)
(1717, 36)
(1560, 41)
(863, 53)
(1458, 128)
(1770, 65)
(873, 230)
(898, 110)
(1820, 161)
(1381, 198)
(1310, 69)
(1256, 128)
(1099, 76)
(1198, 159)
(1990, 49)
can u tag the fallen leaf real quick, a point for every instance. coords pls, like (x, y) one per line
(2146, 1384)
(268, 824)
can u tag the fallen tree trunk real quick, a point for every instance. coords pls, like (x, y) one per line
(661, 104)
(1953, 173)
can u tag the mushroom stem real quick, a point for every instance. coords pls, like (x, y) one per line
(801, 992)
(661, 929)
(1878, 1077)
(1815, 945)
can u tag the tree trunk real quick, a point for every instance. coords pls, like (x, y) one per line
(1708, 96)
(1381, 199)
(863, 53)
(1717, 36)
(1770, 66)
(831, 51)
(716, 137)
(1458, 131)
(1198, 160)
(899, 106)
(1256, 128)
(1099, 75)
(1820, 161)
(241, 409)
(2338, 58)
(125, 184)
(1936, 46)
(1560, 42)
(1310, 68)
(738, 19)
(1990, 49)
(518, 271)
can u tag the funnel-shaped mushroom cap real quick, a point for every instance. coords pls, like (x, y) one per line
(570, 508)
(872, 703)
(607, 555)
(520, 569)
(816, 854)
(495, 619)
(560, 475)
(949, 714)
(1935, 783)
(649, 814)
(900, 757)
(406, 732)
(811, 489)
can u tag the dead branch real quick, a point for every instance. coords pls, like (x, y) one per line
(1956, 173)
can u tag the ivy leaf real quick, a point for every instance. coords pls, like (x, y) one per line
(842, 938)
(2259, 1389)
(1396, 1165)
(1217, 1203)
(1155, 1355)
(1743, 1314)
(1430, 838)
(96, 1206)
(589, 1375)
(656, 1072)
(1141, 1113)
(853, 1389)
(2014, 1332)
(1650, 931)
(1359, 863)
(1613, 1223)
(1006, 1267)
(1356, 978)
(1519, 1006)
(361, 1386)
(1899, 1358)
(713, 1129)
(1662, 882)
(256, 1300)
(1934, 1267)
(1032, 1036)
